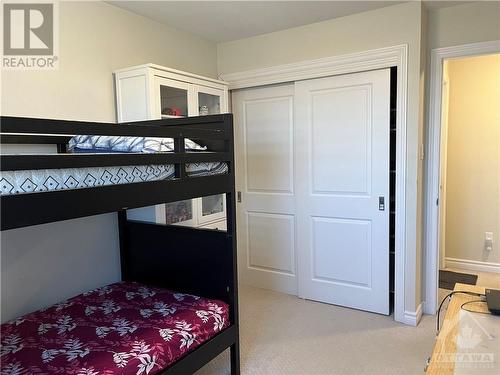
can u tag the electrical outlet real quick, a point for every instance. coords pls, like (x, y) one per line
(488, 241)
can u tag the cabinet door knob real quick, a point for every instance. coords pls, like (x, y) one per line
(238, 196)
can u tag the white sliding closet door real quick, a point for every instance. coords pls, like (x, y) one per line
(342, 153)
(264, 147)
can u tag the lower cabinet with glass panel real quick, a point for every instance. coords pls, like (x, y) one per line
(205, 212)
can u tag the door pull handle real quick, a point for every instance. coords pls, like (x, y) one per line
(381, 203)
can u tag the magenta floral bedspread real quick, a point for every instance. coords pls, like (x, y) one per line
(123, 328)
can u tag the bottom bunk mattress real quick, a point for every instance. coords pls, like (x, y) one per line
(123, 328)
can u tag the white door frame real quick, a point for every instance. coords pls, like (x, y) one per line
(352, 63)
(438, 55)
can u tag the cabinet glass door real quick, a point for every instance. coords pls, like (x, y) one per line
(181, 212)
(209, 101)
(208, 104)
(173, 98)
(212, 208)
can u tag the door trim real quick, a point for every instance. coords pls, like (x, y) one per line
(351, 63)
(438, 55)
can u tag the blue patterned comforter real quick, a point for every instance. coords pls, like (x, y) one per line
(104, 143)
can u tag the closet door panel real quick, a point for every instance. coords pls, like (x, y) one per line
(336, 243)
(269, 144)
(341, 114)
(343, 189)
(270, 238)
(264, 134)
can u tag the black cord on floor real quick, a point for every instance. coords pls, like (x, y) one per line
(474, 311)
(447, 297)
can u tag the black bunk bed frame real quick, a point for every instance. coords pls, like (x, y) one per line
(191, 260)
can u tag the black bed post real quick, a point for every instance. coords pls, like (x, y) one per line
(124, 254)
(231, 232)
(61, 148)
(235, 356)
(231, 226)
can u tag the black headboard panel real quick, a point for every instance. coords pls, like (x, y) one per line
(183, 259)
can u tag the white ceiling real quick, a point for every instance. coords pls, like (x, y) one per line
(222, 21)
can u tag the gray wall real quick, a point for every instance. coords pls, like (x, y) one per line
(46, 263)
(468, 23)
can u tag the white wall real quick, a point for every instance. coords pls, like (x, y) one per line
(473, 158)
(394, 25)
(43, 264)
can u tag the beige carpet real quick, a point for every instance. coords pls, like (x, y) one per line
(281, 334)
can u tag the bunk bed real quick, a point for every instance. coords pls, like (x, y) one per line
(176, 307)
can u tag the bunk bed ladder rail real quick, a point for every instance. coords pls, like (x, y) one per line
(180, 147)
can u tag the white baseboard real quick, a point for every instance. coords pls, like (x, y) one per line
(412, 318)
(426, 309)
(472, 265)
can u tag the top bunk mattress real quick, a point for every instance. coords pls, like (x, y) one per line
(40, 180)
(123, 328)
(35, 181)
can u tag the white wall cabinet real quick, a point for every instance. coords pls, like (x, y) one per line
(150, 92)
